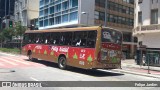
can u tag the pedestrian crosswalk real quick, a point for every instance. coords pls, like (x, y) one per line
(17, 62)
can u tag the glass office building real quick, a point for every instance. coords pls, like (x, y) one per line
(54, 13)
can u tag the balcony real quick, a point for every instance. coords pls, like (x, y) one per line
(146, 29)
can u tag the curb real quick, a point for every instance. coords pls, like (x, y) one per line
(135, 73)
(145, 68)
(9, 54)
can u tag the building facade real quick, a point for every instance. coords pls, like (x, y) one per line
(118, 14)
(147, 29)
(25, 10)
(6, 9)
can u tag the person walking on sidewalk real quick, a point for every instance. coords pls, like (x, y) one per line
(144, 60)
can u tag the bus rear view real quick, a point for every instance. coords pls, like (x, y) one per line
(109, 56)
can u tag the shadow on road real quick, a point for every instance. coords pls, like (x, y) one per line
(97, 73)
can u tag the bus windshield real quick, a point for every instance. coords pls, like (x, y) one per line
(111, 36)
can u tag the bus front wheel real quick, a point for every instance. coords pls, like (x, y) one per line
(62, 63)
(30, 56)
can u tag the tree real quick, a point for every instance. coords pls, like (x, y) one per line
(19, 29)
(1, 38)
(8, 33)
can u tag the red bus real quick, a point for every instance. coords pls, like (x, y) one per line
(82, 47)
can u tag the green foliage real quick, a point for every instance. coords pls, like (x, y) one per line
(8, 33)
(10, 50)
(19, 29)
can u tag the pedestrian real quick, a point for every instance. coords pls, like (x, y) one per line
(135, 58)
(144, 60)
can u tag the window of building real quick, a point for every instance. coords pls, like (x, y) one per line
(51, 10)
(140, 1)
(139, 17)
(127, 37)
(41, 23)
(96, 15)
(120, 20)
(65, 5)
(41, 2)
(110, 17)
(154, 16)
(46, 2)
(46, 12)
(73, 3)
(46, 22)
(115, 19)
(58, 8)
(73, 16)
(65, 18)
(51, 21)
(100, 3)
(41, 13)
(58, 20)
(101, 16)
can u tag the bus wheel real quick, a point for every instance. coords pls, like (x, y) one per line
(62, 63)
(30, 56)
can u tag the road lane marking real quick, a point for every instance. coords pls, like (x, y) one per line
(17, 61)
(33, 79)
(12, 63)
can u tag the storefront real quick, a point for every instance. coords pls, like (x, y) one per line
(153, 55)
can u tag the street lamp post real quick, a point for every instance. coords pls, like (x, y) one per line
(87, 16)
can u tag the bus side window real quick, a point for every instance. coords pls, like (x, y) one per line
(80, 39)
(46, 38)
(91, 40)
(55, 38)
(66, 38)
(32, 38)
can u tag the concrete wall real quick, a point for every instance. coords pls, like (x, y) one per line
(151, 40)
(146, 6)
(29, 10)
(87, 6)
(33, 9)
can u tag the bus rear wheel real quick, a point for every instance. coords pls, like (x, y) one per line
(30, 56)
(62, 63)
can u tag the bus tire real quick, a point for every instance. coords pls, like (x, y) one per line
(62, 62)
(30, 56)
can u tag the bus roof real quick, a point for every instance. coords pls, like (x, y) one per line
(68, 29)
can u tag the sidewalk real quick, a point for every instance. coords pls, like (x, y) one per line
(129, 66)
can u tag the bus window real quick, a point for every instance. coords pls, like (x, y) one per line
(79, 38)
(38, 38)
(32, 38)
(26, 38)
(55, 38)
(66, 38)
(111, 36)
(91, 40)
(46, 38)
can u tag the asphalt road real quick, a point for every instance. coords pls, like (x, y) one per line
(22, 70)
